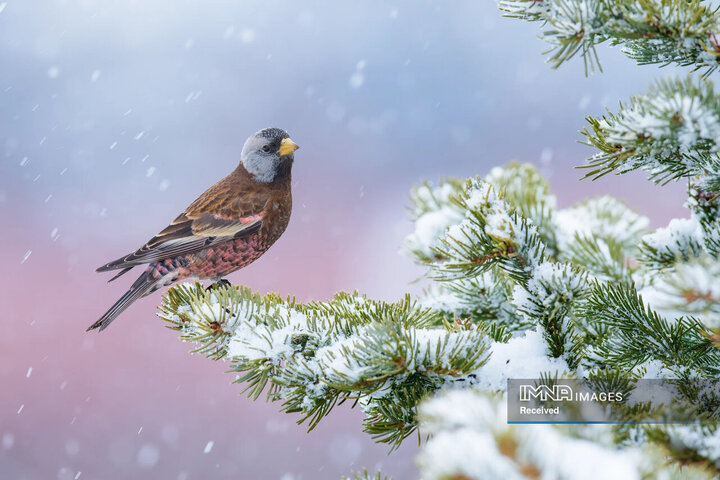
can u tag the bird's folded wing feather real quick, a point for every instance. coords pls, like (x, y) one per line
(218, 215)
(188, 235)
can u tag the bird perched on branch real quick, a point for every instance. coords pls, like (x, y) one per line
(228, 227)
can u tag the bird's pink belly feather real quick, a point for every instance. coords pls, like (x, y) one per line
(214, 262)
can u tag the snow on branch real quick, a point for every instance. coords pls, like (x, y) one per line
(517, 288)
(671, 132)
(638, 334)
(312, 356)
(491, 234)
(470, 439)
(649, 31)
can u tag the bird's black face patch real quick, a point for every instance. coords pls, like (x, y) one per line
(270, 140)
(269, 146)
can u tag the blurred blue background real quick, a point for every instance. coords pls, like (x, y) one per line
(115, 115)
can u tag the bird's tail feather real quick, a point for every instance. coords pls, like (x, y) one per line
(142, 286)
(122, 272)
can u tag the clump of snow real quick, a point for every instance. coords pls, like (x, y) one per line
(687, 289)
(521, 357)
(482, 198)
(428, 198)
(455, 408)
(696, 438)
(441, 299)
(480, 195)
(654, 369)
(552, 287)
(333, 358)
(524, 183)
(433, 212)
(463, 425)
(430, 227)
(678, 118)
(254, 340)
(465, 454)
(602, 217)
(500, 224)
(680, 231)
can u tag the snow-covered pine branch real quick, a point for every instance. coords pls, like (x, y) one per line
(649, 31)
(672, 131)
(365, 475)
(312, 356)
(517, 289)
(470, 439)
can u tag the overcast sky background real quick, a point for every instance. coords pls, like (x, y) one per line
(115, 115)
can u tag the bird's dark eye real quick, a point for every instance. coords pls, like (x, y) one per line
(266, 148)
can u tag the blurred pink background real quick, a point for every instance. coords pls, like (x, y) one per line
(114, 116)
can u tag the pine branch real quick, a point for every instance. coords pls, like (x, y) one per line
(604, 258)
(483, 300)
(549, 299)
(311, 357)
(365, 475)
(650, 31)
(681, 241)
(690, 288)
(501, 304)
(671, 132)
(470, 439)
(433, 210)
(492, 234)
(704, 202)
(524, 188)
(603, 218)
(640, 335)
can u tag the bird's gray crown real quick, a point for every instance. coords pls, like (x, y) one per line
(273, 133)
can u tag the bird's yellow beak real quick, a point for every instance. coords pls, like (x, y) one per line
(287, 147)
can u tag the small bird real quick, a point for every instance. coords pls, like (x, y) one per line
(228, 227)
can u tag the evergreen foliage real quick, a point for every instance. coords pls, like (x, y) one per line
(649, 31)
(519, 288)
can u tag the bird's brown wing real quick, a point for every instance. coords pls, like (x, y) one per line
(215, 217)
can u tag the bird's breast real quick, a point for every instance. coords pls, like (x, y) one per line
(276, 218)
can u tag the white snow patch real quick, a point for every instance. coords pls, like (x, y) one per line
(603, 217)
(679, 230)
(521, 357)
(430, 228)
